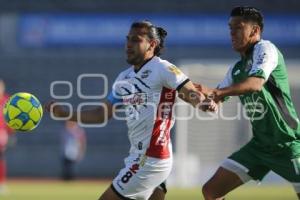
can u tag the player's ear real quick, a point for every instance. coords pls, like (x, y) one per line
(153, 44)
(255, 30)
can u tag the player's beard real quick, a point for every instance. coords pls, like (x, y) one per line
(136, 60)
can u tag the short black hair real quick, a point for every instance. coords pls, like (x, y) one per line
(249, 13)
(153, 32)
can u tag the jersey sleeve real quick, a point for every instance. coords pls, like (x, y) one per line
(265, 60)
(114, 96)
(173, 78)
(227, 81)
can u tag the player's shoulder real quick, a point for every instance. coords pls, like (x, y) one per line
(159, 62)
(264, 45)
(161, 66)
(265, 51)
(123, 74)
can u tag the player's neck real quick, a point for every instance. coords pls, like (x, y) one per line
(245, 52)
(137, 67)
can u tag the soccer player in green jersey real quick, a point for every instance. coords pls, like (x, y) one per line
(260, 80)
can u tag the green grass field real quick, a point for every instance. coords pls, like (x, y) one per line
(90, 190)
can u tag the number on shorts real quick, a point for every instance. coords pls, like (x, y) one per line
(126, 177)
(133, 169)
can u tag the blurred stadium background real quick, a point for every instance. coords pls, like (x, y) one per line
(42, 41)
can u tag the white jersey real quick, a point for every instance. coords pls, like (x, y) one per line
(147, 97)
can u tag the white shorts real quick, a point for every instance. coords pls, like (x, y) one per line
(140, 176)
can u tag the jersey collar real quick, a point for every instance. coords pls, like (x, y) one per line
(250, 50)
(147, 61)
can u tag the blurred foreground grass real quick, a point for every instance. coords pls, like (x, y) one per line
(91, 190)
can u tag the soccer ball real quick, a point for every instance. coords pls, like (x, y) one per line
(23, 112)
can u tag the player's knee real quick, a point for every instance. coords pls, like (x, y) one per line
(158, 194)
(210, 193)
(206, 192)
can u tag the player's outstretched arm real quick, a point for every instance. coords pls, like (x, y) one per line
(203, 89)
(191, 95)
(96, 115)
(251, 84)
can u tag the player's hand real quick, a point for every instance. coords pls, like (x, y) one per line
(209, 105)
(216, 96)
(198, 87)
(56, 110)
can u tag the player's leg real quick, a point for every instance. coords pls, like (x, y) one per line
(66, 168)
(159, 192)
(222, 182)
(2, 168)
(112, 194)
(238, 169)
(3, 143)
(2, 173)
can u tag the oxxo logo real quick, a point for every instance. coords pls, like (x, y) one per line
(62, 100)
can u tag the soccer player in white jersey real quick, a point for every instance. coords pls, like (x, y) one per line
(146, 91)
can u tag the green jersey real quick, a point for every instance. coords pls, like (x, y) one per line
(271, 111)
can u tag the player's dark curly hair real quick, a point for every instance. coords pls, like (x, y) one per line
(153, 32)
(249, 13)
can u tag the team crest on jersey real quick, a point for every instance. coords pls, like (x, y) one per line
(127, 76)
(175, 70)
(255, 107)
(145, 73)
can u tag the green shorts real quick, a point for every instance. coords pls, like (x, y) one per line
(256, 162)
